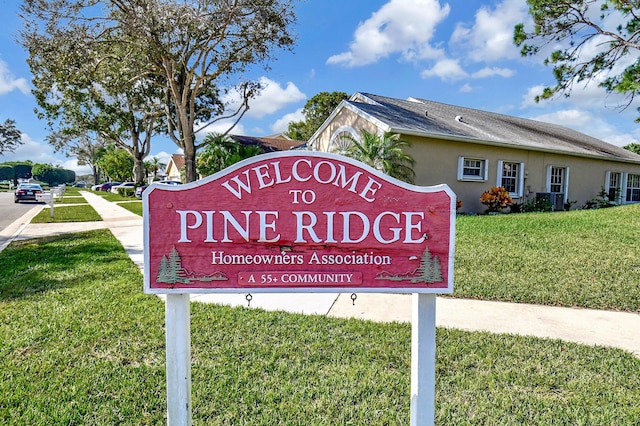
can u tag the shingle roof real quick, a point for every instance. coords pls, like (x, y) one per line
(178, 160)
(269, 144)
(429, 118)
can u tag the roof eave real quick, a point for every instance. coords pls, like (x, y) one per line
(410, 132)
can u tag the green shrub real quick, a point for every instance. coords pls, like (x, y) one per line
(127, 192)
(600, 201)
(537, 205)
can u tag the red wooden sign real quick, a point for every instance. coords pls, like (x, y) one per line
(298, 222)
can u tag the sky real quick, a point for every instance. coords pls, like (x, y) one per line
(458, 52)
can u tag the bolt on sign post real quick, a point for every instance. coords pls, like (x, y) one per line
(298, 222)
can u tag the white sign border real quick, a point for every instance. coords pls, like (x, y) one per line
(265, 157)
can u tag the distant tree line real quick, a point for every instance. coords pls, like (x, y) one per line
(51, 175)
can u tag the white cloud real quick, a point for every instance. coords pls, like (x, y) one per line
(34, 151)
(528, 99)
(400, 26)
(491, 71)
(220, 127)
(446, 69)
(282, 123)
(72, 164)
(42, 153)
(490, 38)
(466, 88)
(9, 83)
(590, 124)
(270, 100)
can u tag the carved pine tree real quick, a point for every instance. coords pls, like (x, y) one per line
(429, 270)
(171, 270)
(162, 273)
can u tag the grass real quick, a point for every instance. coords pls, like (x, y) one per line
(80, 213)
(586, 258)
(71, 199)
(132, 206)
(81, 344)
(110, 196)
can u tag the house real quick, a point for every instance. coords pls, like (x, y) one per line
(273, 143)
(267, 143)
(175, 165)
(473, 150)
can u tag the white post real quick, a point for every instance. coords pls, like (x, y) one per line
(178, 338)
(423, 360)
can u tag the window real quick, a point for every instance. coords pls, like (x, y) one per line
(614, 185)
(340, 140)
(557, 179)
(633, 188)
(511, 177)
(558, 185)
(472, 169)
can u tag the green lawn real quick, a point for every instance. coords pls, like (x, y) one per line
(61, 213)
(586, 258)
(80, 344)
(132, 206)
(110, 196)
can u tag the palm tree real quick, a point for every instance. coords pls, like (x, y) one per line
(155, 165)
(382, 152)
(221, 152)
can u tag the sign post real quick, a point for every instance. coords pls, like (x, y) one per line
(299, 222)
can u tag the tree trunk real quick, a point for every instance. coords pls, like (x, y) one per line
(139, 175)
(191, 174)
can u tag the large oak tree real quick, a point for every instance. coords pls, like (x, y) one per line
(188, 50)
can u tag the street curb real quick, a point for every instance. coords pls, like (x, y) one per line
(12, 231)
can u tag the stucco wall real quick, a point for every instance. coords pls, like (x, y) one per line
(437, 162)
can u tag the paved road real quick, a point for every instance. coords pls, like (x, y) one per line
(10, 211)
(11, 214)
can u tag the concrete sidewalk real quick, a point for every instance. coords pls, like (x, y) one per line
(585, 326)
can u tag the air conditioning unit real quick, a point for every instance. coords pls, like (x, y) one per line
(557, 201)
(555, 198)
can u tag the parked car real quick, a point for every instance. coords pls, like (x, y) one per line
(27, 192)
(96, 187)
(106, 187)
(124, 185)
(140, 189)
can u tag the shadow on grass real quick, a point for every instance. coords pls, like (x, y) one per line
(33, 266)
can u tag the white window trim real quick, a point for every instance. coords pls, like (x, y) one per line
(566, 180)
(626, 187)
(622, 195)
(485, 172)
(520, 177)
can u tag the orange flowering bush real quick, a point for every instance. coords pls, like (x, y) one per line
(496, 199)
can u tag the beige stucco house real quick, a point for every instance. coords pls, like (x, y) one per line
(473, 150)
(174, 168)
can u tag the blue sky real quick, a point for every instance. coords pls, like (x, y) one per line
(457, 52)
